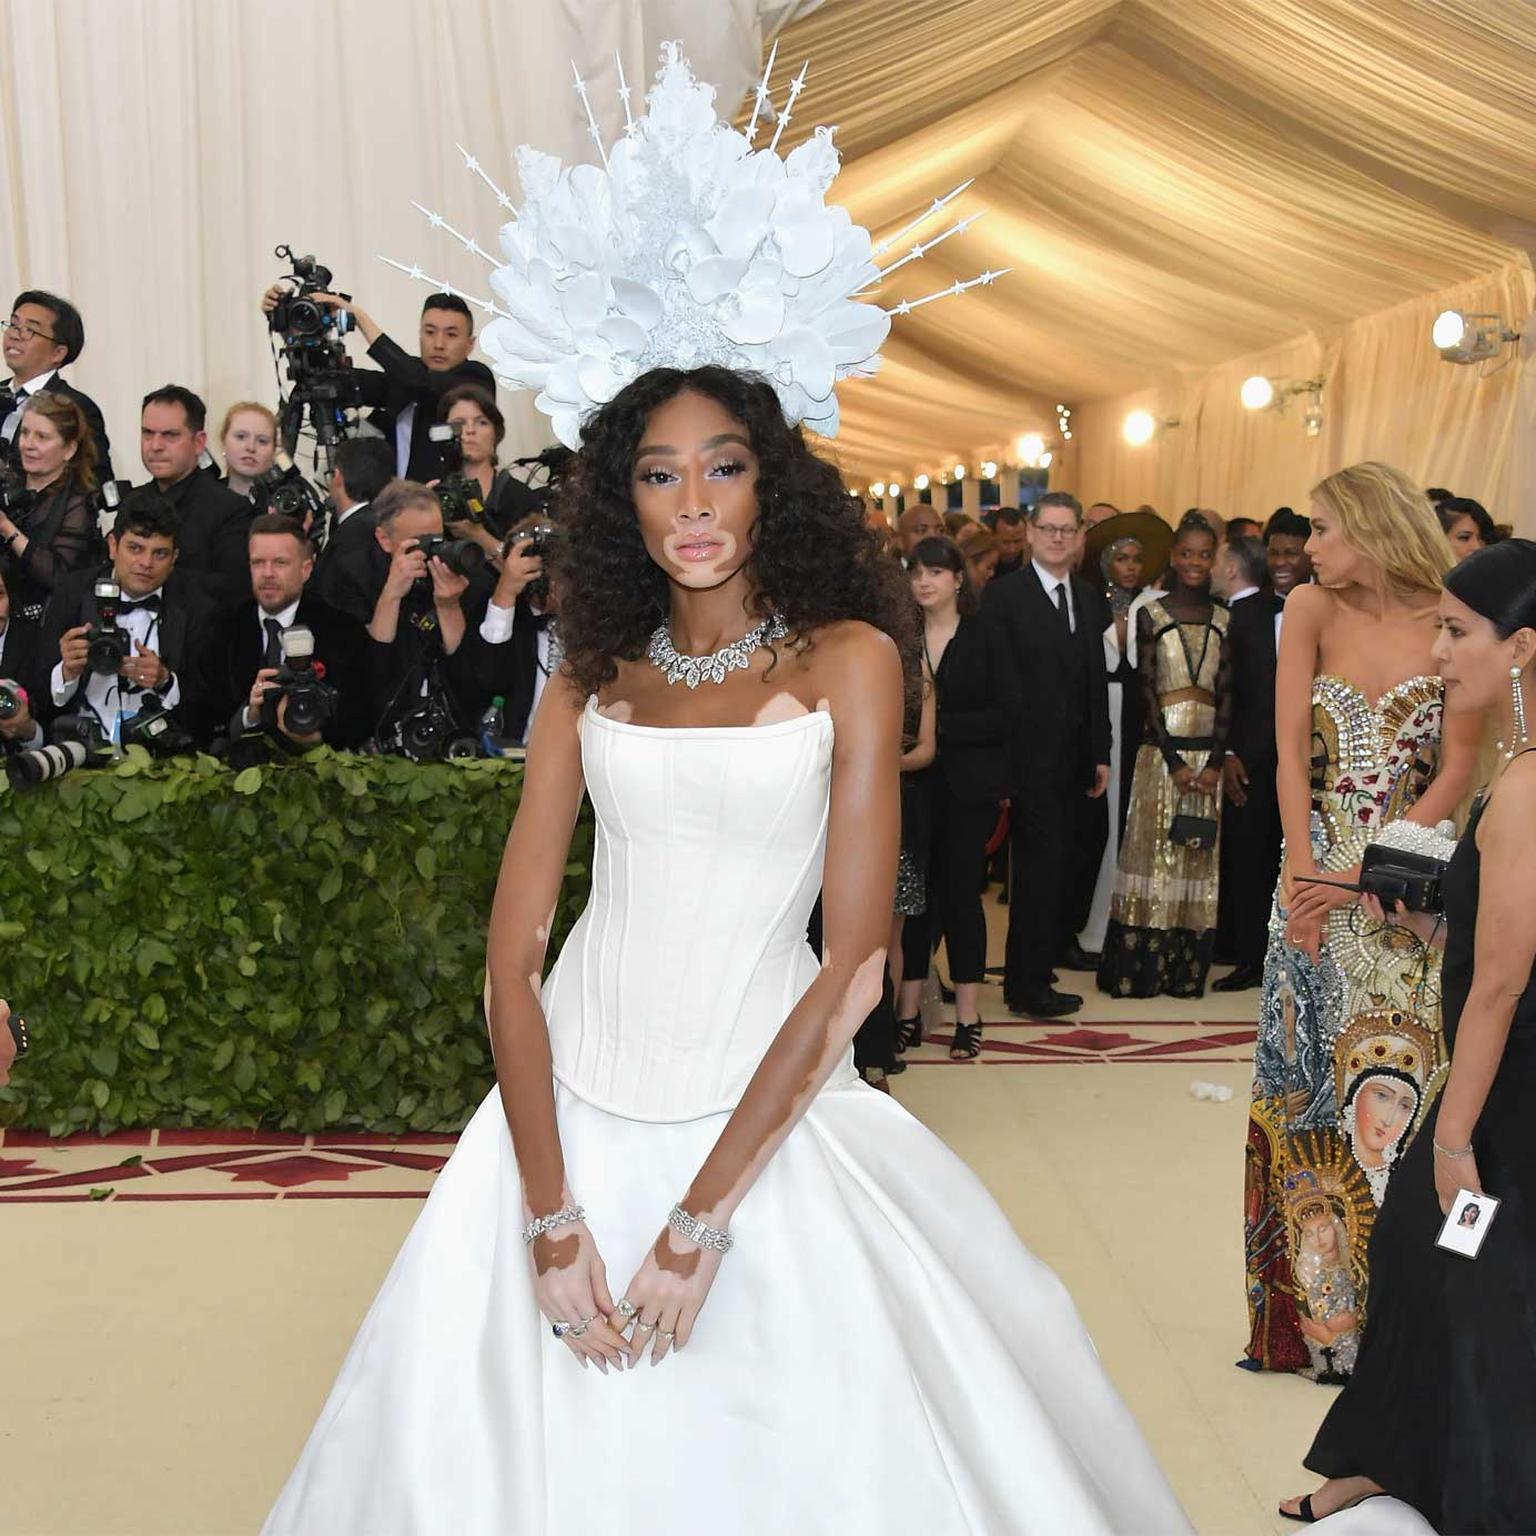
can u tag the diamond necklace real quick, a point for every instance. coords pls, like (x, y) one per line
(693, 670)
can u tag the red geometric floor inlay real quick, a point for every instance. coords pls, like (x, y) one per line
(220, 1165)
(1015, 1042)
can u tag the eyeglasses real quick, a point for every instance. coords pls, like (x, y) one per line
(26, 328)
(1056, 530)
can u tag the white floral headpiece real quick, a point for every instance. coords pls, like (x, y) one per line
(686, 246)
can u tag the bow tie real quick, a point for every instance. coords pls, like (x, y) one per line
(150, 604)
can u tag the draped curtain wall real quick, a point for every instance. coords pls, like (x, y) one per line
(1388, 396)
(155, 151)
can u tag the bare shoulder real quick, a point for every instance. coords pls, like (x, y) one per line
(1511, 813)
(851, 655)
(1308, 603)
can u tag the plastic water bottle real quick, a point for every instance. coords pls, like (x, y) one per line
(493, 726)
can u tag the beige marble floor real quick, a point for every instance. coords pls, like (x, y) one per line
(163, 1362)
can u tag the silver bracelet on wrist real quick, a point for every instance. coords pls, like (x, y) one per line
(1465, 1151)
(696, 1232)
(561, 1218)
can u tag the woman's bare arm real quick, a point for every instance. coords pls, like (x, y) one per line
(927, 743)
(532, 869)
(1460, 740)
(1506, 949)
(1295, 669)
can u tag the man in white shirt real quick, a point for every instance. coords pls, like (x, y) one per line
(46, 334)
(519, 640)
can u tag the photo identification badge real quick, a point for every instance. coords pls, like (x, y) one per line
(1467, 1225)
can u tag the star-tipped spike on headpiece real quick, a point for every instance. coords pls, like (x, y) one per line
(686, 246)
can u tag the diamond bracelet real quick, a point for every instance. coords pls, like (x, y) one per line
(561, 1218)
(696, 1232)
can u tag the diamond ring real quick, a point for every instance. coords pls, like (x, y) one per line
(645, 1327)
(668, 1334)
(627, 1308)
(577, 1329)
(560, 1329)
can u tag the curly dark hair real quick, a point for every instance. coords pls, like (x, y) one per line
(814, 558)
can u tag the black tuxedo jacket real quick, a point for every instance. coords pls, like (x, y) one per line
(58, 385)
(510, 669)
(186, 629)
(21, 661)
(214, 534)
(236, 657)
(1051, 681)
(1252, 654)
(401, 380)
(350, 573)
(973, 727)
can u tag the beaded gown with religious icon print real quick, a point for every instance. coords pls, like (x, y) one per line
(1349, 1053)
(1162, 916)
(878, 1353)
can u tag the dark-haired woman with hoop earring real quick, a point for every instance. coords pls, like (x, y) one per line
(967, 781)
(1441, 1409)
(1162, 920)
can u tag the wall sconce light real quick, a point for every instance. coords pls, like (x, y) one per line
(959, 471)
(877, 490)
(989, 469)
(1140, 427)
(1264, 394)
(920, 483)
(1464, 338)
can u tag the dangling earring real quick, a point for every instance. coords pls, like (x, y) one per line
(1520, 737)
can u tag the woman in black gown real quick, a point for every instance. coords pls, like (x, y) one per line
(1441, 1409)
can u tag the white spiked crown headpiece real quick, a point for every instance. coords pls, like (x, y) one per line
(686, 246)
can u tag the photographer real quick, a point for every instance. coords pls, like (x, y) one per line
(516, 646)
(350, 570)
(246, 672)
(132, 658)
(425, 688)
(20, 653)
(46, 334)
(212, 519)
(405, 390)
(49, 528)
(248, 441)
(479, 427)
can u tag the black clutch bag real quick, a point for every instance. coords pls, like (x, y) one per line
(1196, 832)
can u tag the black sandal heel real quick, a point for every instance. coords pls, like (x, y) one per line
(909, 1033)
(966, 1046)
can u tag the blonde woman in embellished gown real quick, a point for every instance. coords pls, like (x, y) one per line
(1350, 1052)
(1162, 916)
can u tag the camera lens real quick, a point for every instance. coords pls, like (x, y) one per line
(27, 769)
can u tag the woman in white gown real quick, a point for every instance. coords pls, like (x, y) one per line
(877, 1354)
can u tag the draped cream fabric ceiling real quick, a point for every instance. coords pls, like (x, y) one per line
(1175, 183)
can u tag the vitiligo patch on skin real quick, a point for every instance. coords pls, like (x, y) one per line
(706, 572)
(782, 706)
(619, 709)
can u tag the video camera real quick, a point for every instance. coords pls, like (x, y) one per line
(318, 367)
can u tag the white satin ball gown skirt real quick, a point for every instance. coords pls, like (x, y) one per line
(879, 1355)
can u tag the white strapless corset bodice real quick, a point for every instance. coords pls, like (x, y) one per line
(692, 949)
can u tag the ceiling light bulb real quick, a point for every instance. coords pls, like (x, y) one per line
(1140, 428)
(1258, 393)
(877, 490)
(959, 471)
(1045, 459)
(1450, 328)
(1029, 448)
(920, 483)
(988, 469)
(894, 489)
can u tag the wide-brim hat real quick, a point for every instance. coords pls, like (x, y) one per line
(1149, 530)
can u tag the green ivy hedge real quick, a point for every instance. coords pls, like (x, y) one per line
(294, 947)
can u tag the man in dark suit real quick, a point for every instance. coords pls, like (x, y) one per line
(350, 570)
(46, 334)
(165, 616)
(212, 519)
(1049, 630)
(404, 391)
(20, 663)
(1250, 831)
(248, 651)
